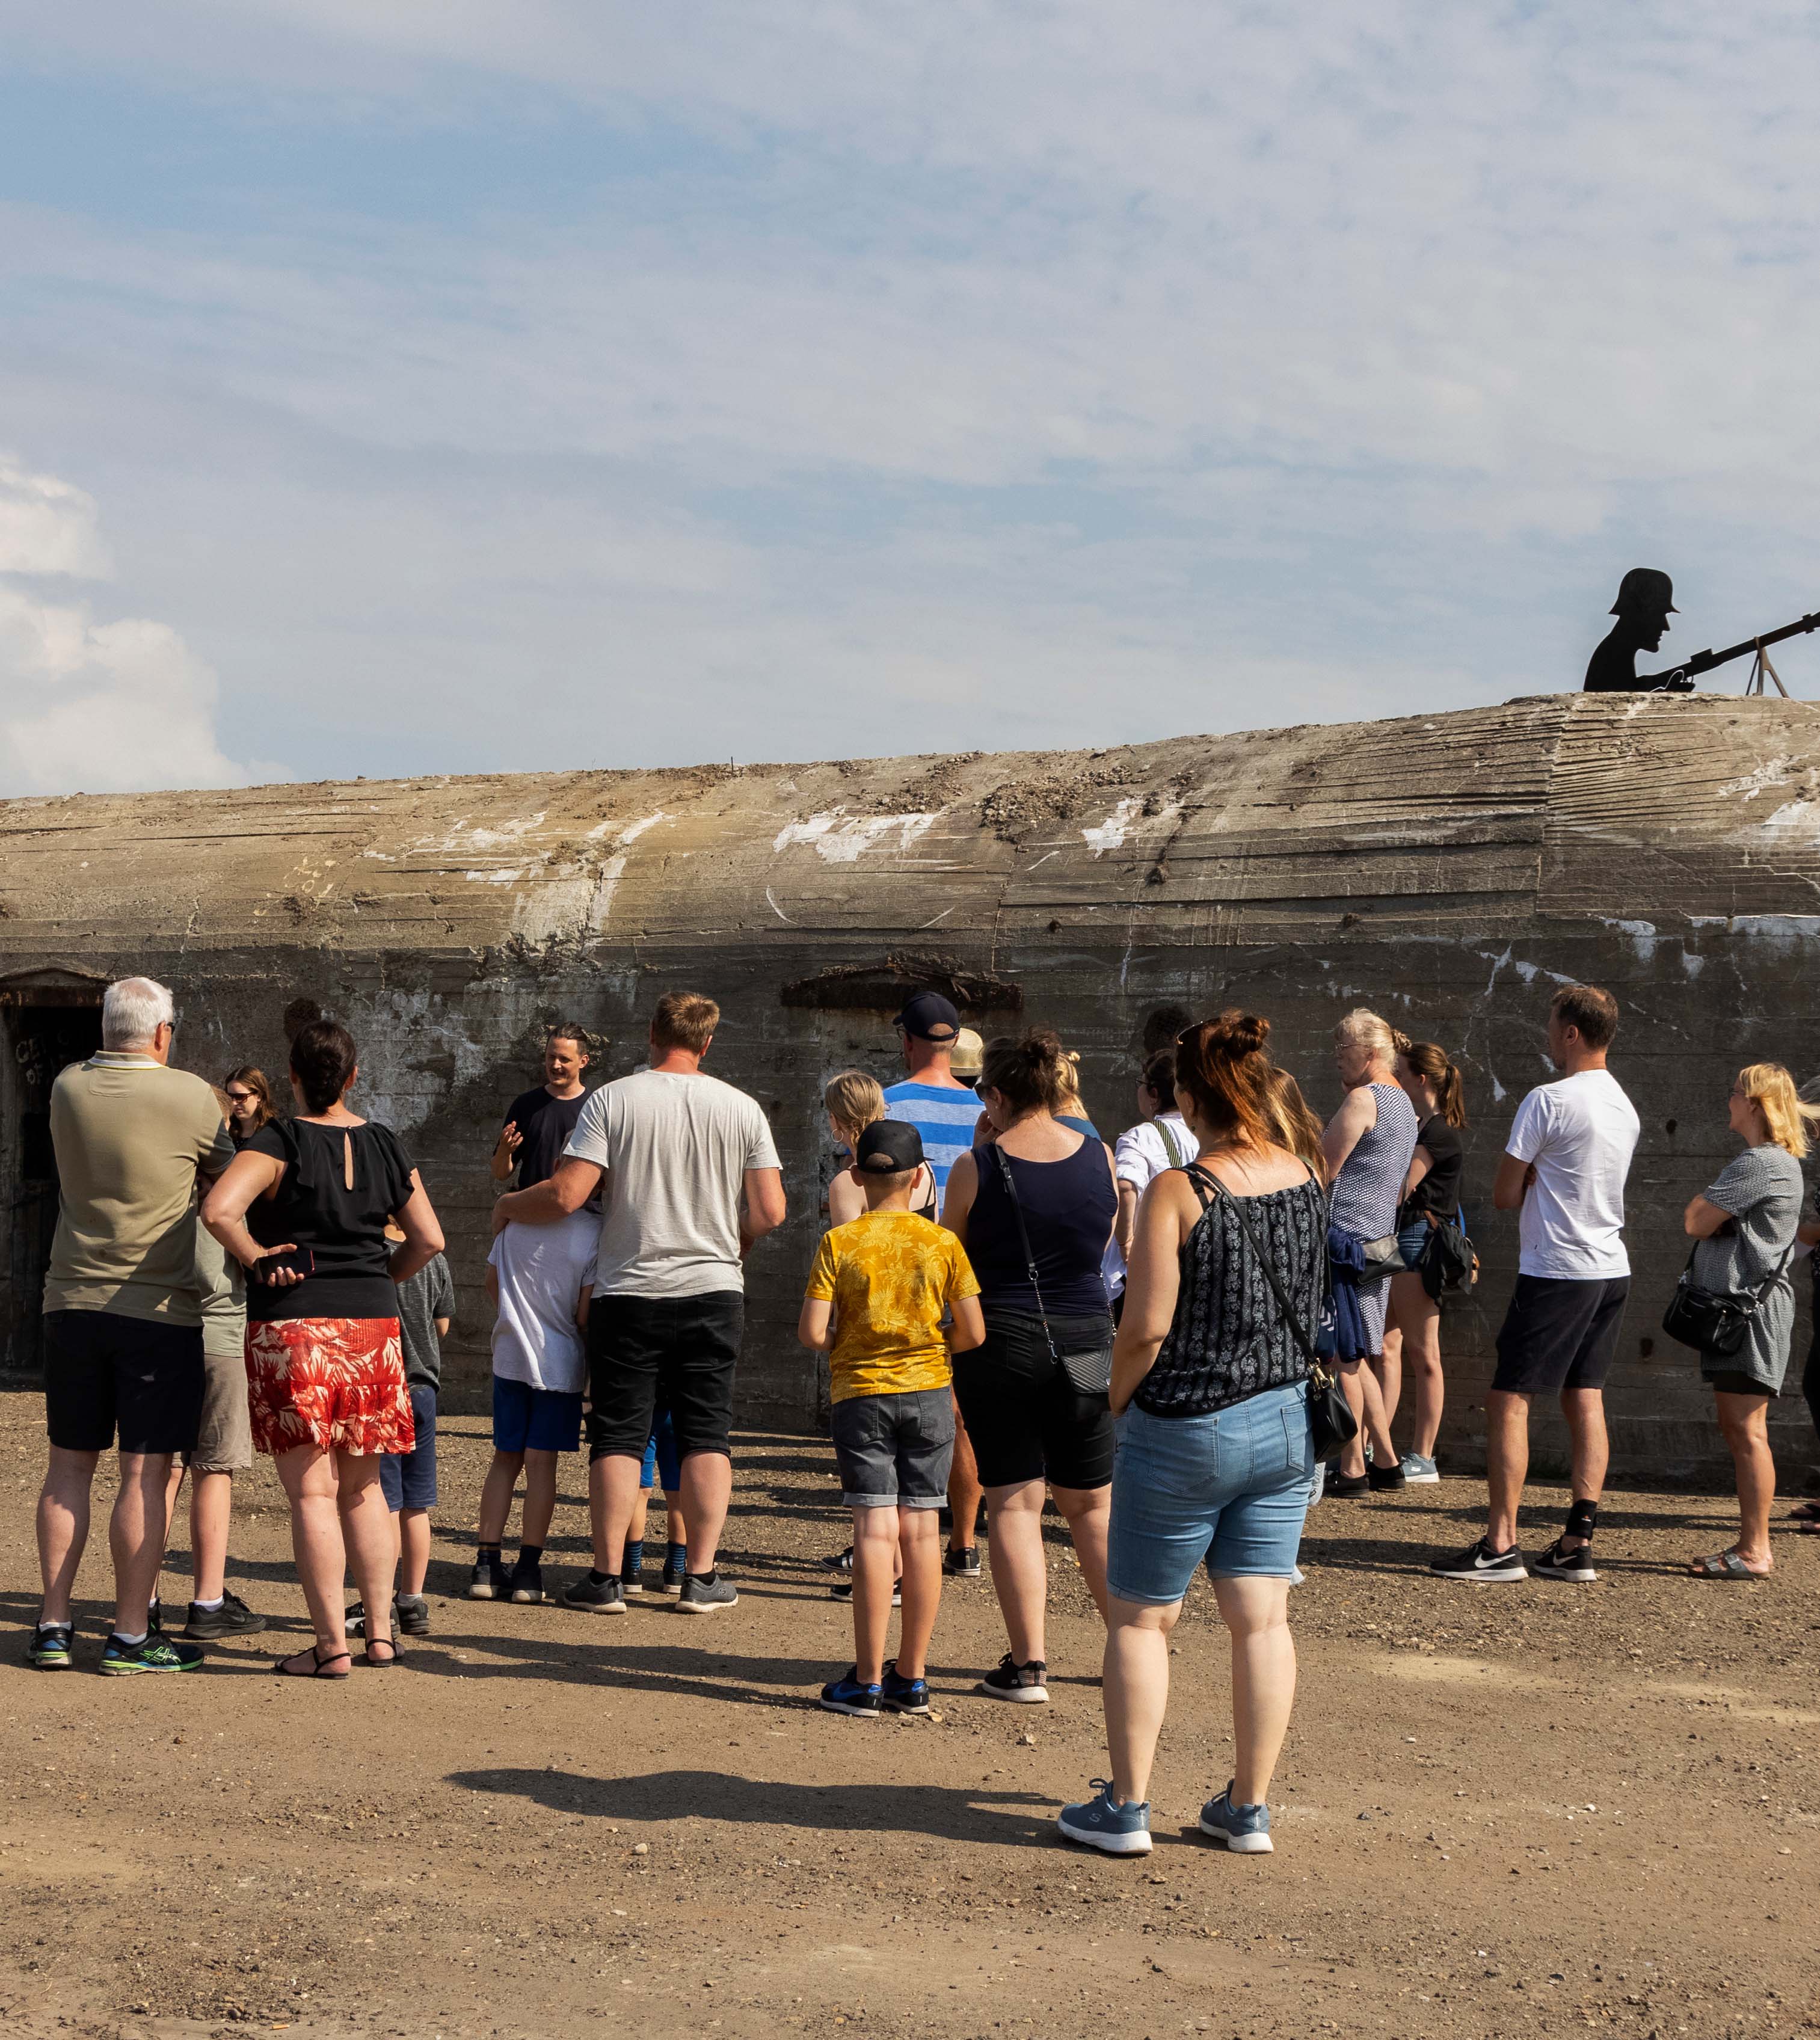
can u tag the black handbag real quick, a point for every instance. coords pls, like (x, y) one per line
(1383, 1259)
(1090, 1372)
(1331, 1423)
(1716, 1321)
(1448, 1260)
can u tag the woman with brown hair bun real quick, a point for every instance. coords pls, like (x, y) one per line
(1216, 1458)
(1430, 1080)
(1035, 1210)
(303, 1208)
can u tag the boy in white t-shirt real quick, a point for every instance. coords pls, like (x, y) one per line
(540, 1278)
(1564, 1169)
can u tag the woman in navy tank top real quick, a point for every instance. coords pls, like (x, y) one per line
(1034, 1208)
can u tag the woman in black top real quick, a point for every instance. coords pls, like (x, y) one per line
(1430, 1193)
(1032, 1396)
(303, 1209)
(1214, 1456)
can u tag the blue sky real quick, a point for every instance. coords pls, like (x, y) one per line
(448, 387)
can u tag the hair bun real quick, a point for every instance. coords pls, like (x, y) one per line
(1236, 1033)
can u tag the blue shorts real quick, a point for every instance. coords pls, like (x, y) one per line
(1410, 1242)
(662, 1466)
(535, 1420)
(408, 1480)
(1232, 1488)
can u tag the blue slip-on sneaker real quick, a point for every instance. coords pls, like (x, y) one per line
(1118, 1828)
(156, 1653)
(847, 1696)
(1419, 1470)
(50, 1647)
(905, 1696)
(1245, 1830)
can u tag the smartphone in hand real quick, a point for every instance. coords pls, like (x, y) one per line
(300, 1261)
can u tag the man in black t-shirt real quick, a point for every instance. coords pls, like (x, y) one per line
(539, 1124)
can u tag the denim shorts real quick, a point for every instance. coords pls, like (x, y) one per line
(535, 1420)
(408, 1480)
(894, 1451)
(1232, 1488)
(1411, 1241)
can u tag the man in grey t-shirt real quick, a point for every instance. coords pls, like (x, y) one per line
(689, 1178)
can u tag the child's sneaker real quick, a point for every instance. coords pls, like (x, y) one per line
(1245, 1830)
(526, 1585)
(632, 1568)
(232, 1618)
(843, 1590)
(50, 1647)
(1119, 1827)
(961, 1564)
(489, 1580)
(847, 1696)
(1025, 1684)
(840, 1561)
(411, 1613)
(902, 1696)
(676, 1569)
(156, 1653)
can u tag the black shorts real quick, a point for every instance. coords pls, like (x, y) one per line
(679, 1350)
(138, 1375)
(1026, 1419)
(1559, 1334)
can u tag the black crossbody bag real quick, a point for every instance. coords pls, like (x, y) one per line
(1716, 1321)
(1331, 1423)
(1091, 1373)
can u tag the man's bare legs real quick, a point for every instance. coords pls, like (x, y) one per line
(64, 1527)
(135, 1537)
(1507, 1463)
(211, 1516)
(1585, 1410)
(706, 1491)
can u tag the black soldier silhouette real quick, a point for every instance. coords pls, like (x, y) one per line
(1645, 603)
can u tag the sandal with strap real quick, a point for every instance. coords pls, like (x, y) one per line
(1724, 1566)
(320, 1664)
(382, 1643)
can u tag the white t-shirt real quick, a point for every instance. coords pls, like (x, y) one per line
(1580, 1132)
(675, 1149)
(1141, 1153)
(543, 1270)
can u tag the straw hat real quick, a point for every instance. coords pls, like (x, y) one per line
(967, 1058)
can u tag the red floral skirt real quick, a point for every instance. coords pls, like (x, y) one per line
(335, 1383)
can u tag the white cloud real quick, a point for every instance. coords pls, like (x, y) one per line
(87, 706)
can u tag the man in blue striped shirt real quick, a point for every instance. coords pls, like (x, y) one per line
(944, 1111)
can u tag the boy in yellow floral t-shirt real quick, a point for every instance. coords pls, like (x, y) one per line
(879, 1289)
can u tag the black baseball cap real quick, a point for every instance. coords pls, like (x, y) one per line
(930, 1018)
(888, 1147)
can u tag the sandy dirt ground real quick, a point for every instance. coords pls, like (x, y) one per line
(1503, 1810)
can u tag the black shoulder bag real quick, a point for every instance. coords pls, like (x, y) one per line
(1331, 1419)
(1091, 1373)
(1716, 1321)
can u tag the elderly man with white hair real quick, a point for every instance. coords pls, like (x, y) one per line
(123, 1315)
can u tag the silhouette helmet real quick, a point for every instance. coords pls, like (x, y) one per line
(1645, 588)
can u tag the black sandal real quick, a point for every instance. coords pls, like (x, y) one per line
(282, 1666)
(385, 1643)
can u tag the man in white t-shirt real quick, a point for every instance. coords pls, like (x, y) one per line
(689, 1179)
(1564, 1168)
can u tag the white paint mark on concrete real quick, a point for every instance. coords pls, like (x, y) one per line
(1642, 933)
(777, 910)
(1111, 833)
(841, 839)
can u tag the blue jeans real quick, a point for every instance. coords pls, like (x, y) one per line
(1232, 1488)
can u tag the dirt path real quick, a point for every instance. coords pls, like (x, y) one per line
(1502, 1811)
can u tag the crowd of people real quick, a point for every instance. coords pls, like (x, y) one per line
(1185, 1339)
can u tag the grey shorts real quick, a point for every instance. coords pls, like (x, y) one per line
(894, 1451)
(224, 1437)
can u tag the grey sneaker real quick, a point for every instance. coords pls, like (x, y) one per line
(594, 1597)
(1419, 1472)
(1117, 1827)
(706, 1596)
(411, 1615)
(1245, 1830)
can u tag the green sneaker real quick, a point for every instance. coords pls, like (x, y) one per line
(50, 1650)
(156, 1653)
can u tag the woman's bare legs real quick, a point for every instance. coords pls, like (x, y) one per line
(1020, 1577)
(1256, 1611)
(1087, 1512)
(1417, 1317)
(1744, 1422)
(370, 1541)
(1134, 1690)
(1360, 1388)
(308, 1475)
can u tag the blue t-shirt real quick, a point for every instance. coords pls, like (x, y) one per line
(944, 1116)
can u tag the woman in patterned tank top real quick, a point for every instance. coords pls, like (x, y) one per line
(1215, 1458)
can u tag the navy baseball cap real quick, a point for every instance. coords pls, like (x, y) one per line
(888, 1147)
(929, 1016)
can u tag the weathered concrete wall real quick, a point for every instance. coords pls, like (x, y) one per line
(1447, 869)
